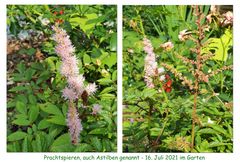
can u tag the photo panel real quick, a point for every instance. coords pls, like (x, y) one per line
(61, 78)
(178, 78)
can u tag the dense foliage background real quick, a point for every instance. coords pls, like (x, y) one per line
(162, 121)
(36, 111)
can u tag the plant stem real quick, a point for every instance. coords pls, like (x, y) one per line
(141, 25)
(194, 118)
(196, 73)
(149, 123)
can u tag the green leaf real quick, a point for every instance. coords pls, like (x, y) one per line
(219, 129)
(21, 107)
(21, 122)
(107, 96)
(107, 90)
(33, 112)
(86, 59)
(51, 109)
(43, 124)
(25, 144)
(44, 76)
(104, 81)
(96, 143)
(114, 75)
(38, 143)
(110, 60)
(207, 131)
(82, 22)
(219, 45)
(60, 120)
(149, 92)
(32, 99)
(18, 88)
(29, 73)
(113, 42)
(155, 131)
(218, 144)
(83, 147)
(17, 136)
(62, 144)
(102, 131)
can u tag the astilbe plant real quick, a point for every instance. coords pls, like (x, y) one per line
(76, 88)
(195, 65)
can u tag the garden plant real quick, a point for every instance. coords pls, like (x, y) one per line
(61, 78)
(177, 79)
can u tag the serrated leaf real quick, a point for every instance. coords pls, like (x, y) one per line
(25, 144)
(62, 144)
(113, 42)
(21, 107)
(60, 120)
(51, 109)
(217, 144)
(219, 45)
(86, 59)
(21, 122)
(29, 73)
(219, 129)
(33, 113)
(148, 92)
(107, 90)
(18, 88)
(32, 99)
(84, 147)
(107, 96)
(110, 60)
(96, 143)
(102, 131)
(17, 136)
(104, 81)
(82, 22)
(43, 124)
(207, 131)
(114, 75)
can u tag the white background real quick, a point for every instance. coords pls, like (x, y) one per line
(37, 157)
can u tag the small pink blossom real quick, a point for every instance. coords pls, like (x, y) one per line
(161, 70)
(148, 48)
(69, 67)
(149, 82)
(77, 83)
(91, 88)
(69, 93)
(183, 35)
(213, 9)
(162, 78)
(209, 18)
(96, 108)
(228, 18)
(74, 123)
(167, 46)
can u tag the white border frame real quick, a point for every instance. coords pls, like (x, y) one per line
(221, 157)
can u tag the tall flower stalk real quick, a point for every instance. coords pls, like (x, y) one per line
(196, 65)
(76, 87)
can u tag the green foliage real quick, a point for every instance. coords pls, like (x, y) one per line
(153, 122)
(36, 109)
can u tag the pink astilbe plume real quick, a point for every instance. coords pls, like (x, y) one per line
(69, 94)
(77, 83)
(150, 67)
(75, 88)
(91, 88)
(69, 67)
(74, 123)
